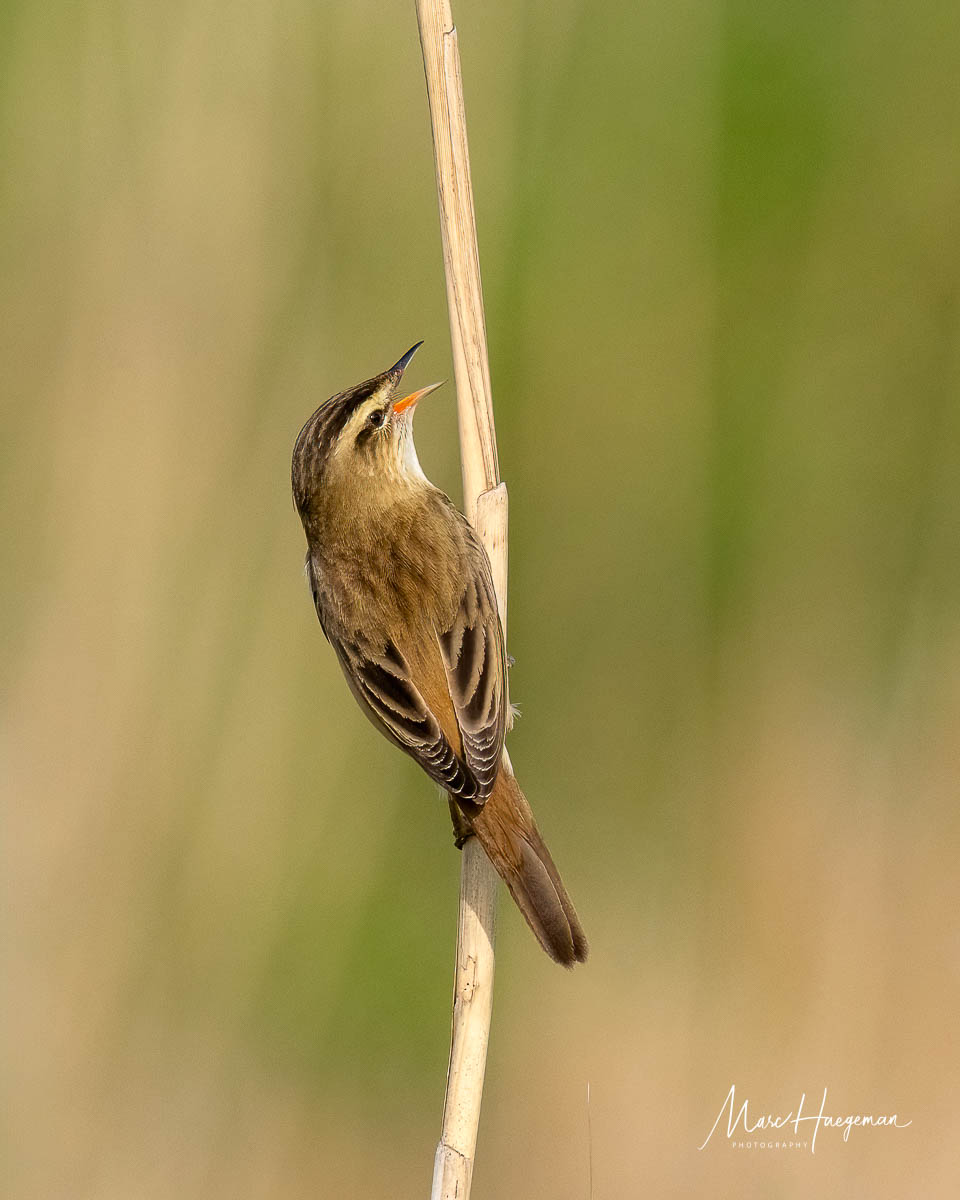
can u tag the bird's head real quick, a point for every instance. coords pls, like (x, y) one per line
(359, 443)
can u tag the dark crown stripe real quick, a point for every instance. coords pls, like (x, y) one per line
(319, 435)
(334, 415)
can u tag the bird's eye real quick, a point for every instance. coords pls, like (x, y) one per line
(377, 418)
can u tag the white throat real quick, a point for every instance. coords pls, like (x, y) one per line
(409, 463)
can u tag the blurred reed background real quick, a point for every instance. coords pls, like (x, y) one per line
(720, 255)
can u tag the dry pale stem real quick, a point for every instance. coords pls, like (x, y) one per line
(485, 503)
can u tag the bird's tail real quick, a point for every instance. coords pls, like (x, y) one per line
(508, 833)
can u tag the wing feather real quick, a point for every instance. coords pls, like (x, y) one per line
(475, 664)
(380, 679)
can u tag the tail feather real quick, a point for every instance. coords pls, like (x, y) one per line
(508, 833)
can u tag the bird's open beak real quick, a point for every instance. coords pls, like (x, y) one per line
(400, 406)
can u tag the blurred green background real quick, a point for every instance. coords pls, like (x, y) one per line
(720, 248)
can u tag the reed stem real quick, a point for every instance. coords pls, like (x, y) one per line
(485, 505)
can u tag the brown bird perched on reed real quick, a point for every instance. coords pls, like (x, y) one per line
(404, 593)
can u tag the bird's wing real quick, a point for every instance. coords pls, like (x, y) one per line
(380, 678)
(381, 681)
(475, 663)
(421, 699)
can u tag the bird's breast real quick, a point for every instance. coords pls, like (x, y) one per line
(392, 573)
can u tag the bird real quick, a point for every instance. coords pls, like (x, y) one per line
(404, 592)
